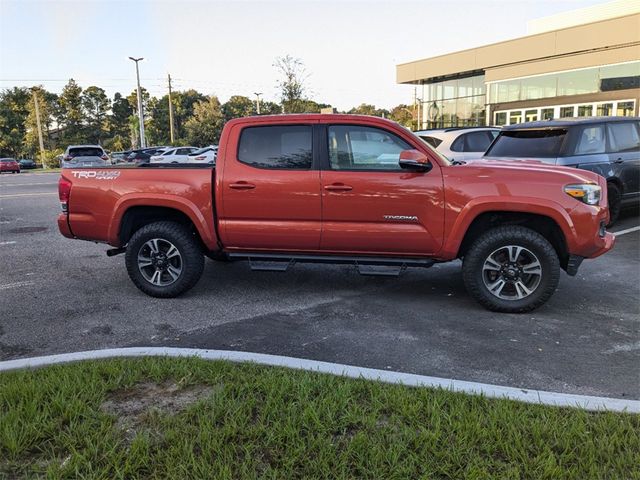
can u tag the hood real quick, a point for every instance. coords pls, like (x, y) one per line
(522, 165)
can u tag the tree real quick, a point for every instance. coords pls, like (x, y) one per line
(366, 109)
(204, 127)
(403, 115)
(96, 105)
(269, 108)
(71, 112)
(119, 119)
(184, 103)
(238, 106)
(13, 113)
(292, 84)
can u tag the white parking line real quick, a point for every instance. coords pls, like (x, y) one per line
(628, 230)
(25, 184)
(38, 194)
(6, 243)
(586, 402)
(7, 286)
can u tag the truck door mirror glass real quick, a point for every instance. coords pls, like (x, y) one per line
(415, 160)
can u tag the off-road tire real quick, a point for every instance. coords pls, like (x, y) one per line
(613, 199)
(494, 239)
(188, 247)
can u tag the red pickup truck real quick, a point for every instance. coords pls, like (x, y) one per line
(343, 189)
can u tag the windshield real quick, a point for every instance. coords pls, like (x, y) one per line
(544, 143)
(201, 151)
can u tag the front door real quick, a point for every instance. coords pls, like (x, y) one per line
(372, 206)
(624, 147)
(270, 190)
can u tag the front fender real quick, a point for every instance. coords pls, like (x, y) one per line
(530, 205)
(202, 223)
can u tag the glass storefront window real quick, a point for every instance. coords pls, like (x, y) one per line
(501, 119)
(448, 113)
(585, 110)
(453, 103)
(625, 109)
(589, 80)
(538, 87)
(530, 115)
(566, 112)
(546, 113)
(449, 89)
(620, 77)
(515, 117)
(579, 82)
(465, 87)
(479, 87)
(604, 109)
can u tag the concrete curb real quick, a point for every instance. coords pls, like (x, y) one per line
(493, 391)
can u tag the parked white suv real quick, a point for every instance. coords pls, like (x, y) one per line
(460, 143)
(204, 155)
(84, 156)
(174, 155)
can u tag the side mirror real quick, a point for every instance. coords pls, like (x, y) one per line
(414, 160)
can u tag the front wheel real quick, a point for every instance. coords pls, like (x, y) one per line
(164, 259)
(511, 269)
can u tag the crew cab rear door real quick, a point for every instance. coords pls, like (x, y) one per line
(369, 204)
(270, 188)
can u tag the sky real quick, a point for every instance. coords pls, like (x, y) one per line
(349, 48)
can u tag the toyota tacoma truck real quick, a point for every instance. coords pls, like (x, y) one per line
(343, 189)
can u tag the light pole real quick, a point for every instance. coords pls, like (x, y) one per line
(257, 94)
(143, 144)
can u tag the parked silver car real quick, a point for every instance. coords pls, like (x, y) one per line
(84, 156)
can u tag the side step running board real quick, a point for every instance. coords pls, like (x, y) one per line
(270, 266)
(386, 266)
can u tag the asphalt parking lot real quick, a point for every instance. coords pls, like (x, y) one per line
(59, 295)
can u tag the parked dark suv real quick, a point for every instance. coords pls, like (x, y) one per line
(609, 146)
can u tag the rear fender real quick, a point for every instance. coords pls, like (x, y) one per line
(203, 225)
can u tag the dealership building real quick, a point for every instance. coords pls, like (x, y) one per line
(582, 63)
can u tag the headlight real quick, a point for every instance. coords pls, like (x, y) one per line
(587, 193)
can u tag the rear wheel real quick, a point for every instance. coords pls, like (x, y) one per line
(614, 200)
(511, 269)
(164, 259)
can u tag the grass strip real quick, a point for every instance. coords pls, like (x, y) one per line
(191, 418)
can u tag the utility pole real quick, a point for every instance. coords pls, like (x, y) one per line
(143, 143)
(170, 109)
(257, 94)
(39, 126)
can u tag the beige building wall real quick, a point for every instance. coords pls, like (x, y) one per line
(608, 41)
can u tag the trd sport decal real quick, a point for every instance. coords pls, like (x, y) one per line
(98, 175)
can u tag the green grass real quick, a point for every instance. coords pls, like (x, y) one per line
(262, 422)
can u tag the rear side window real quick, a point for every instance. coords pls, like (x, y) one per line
(591, 140)
(277, 147)
(477, 141)
(624, 136)
(433, 141)
(528, 143)
(85, 152)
